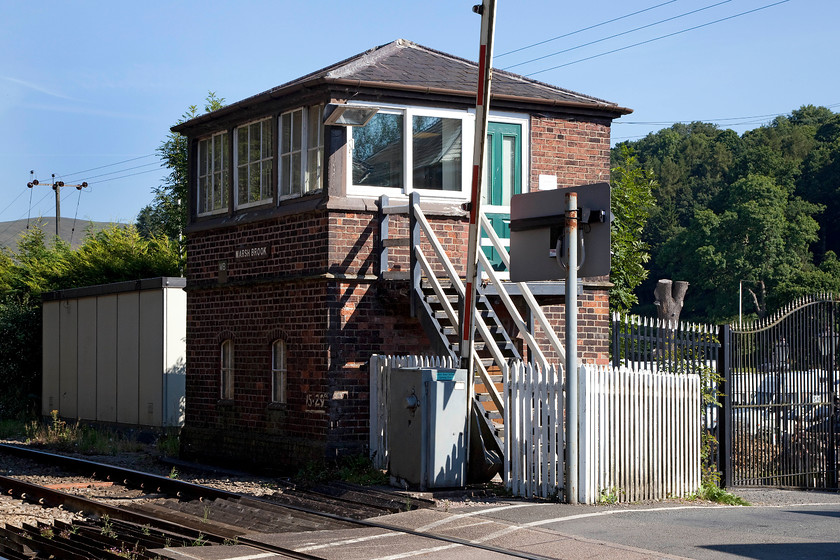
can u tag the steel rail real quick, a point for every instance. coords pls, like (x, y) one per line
(182, 488)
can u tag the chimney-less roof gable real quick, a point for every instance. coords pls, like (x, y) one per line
(403, 65)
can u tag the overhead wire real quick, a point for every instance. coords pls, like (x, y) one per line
(124, 176)
(618, 34)
(108, 165)
(123, 170)
(531, 46)
(660, 37)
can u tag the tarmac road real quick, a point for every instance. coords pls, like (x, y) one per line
(783, 524)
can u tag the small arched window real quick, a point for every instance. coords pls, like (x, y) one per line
(278, 371)
(226, 369)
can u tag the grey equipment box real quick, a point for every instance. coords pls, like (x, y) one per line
(427, 427)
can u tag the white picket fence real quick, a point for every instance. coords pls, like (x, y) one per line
(534, 434)
(380, 377)
(639, 435)
(638, 431)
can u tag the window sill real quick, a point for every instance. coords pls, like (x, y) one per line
(225, 403)
(277, 406)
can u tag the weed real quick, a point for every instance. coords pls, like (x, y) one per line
(231, 542)
(206, 515)
(201, 540)
(107, 528)
(174, 473)
(713, 493)
(58, 434)
(146, 530)
(408, 505)
(169, 445)
(47, 532)
(609, 495)
(360, 470)
(10, 428)
(123, 552)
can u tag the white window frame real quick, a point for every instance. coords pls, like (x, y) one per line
(467, 119)
(279, 372)
(211, 176)
(268, 191)
(226, 370)
(307, 185)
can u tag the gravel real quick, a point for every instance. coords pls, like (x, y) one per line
(15, 512)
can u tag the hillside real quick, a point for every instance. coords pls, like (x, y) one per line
(70, 229)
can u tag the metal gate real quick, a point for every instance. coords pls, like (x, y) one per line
(782, 420)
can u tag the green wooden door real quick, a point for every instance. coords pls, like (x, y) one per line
(502, 179)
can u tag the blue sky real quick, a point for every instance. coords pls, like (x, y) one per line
(89, 89)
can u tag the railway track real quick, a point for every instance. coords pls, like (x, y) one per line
(130, 512)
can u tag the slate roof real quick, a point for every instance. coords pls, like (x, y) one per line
(405, 65)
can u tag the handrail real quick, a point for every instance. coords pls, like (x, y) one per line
(527, 295)
(514, 312)
(459, 287)
(499, 280)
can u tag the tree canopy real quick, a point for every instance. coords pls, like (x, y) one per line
(756, 210)
(631, 201)
(167, 213)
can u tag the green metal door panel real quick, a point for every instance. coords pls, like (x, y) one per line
(502, 178)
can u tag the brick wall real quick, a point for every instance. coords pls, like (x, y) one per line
(577, 152)
(317, 288)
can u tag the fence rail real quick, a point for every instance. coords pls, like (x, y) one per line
(533, 462)
(639, 434)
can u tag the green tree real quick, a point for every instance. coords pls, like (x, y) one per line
(20, 356)
(168, 213)
(631, 201)
(761, 238)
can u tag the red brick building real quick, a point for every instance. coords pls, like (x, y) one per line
(288, 296)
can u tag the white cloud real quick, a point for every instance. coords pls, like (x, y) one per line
(36, 87)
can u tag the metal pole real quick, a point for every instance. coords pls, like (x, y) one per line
(571, 240)
(487, 9)
(57, 207)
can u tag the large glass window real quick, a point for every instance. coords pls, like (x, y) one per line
(436, 153)
(278, 371)
(254, 157)
(412, 149)
(226, 362)
(378, 151)
(301, 146)
(213, 174)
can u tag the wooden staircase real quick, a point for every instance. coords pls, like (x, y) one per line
(440, 328)
(437, 295)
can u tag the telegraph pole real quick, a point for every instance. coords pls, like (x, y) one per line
(56, 186)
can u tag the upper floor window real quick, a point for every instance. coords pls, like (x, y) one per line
(254, 163)
(278, 371)
(301, 148)
(379, 151)
(226, 363)
(213, 173)
(411, 149)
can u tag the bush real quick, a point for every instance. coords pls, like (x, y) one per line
(20, 357)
